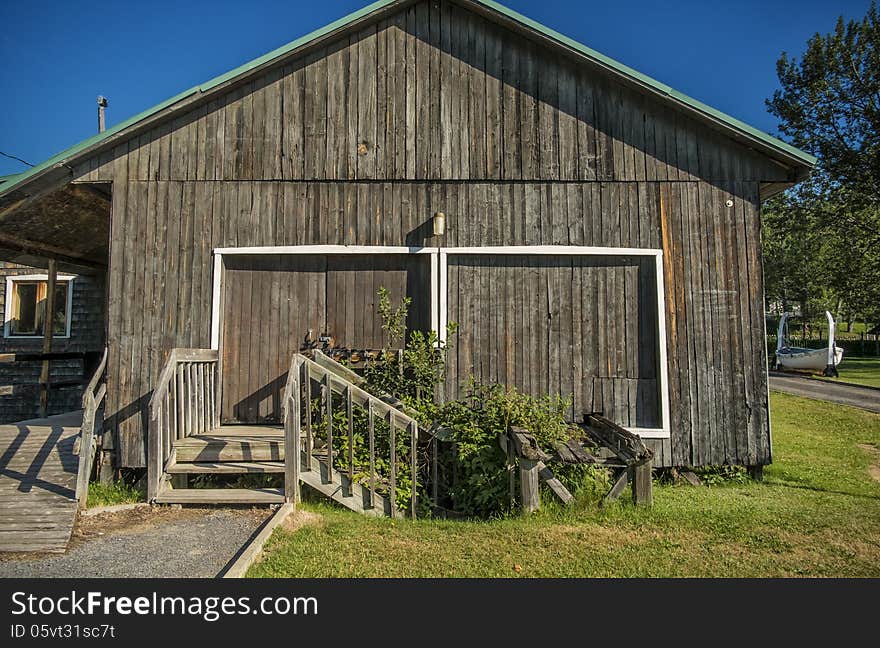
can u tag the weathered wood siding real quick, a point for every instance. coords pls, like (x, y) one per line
(435, 109)
(584, 327)
(274, 305)
(435, 92)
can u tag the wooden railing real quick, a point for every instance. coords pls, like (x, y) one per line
(92, 398)
(184, 403)
(307, 378)
(292, 416)
(90, 360)
(434, 435)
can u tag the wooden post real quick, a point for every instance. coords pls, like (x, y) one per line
(328, 418)
(435, 472)
(756, 472)
(371, 433)
(642, 485)
(154, 458)
(511, 474)
(528, 477)
(349, 411)
(306, 386)
(292, 457)
(392, 486)
(414, 467)
(48, 317)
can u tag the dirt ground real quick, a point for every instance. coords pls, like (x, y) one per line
(145, 542)
(874, 452)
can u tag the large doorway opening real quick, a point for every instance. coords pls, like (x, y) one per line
(274, 305)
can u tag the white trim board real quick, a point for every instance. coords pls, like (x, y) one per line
(572, 250)
(219, 253)
(326, 249)
(439, 289)
(554, 250)
(7, 315)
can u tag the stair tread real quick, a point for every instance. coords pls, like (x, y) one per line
(251, 429)
(202, 440)
(228, 467)
(337, 490)
(220, 496)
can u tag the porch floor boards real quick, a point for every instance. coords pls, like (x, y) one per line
(38, 483)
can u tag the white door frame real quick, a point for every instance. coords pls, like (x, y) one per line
(439, 289)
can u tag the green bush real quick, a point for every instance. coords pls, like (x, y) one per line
(720, 475)
(481, 487)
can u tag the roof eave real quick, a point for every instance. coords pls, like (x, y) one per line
(800, 162)
(772, 146)
(201, 92)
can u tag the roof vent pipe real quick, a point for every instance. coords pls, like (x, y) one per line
(102, 103)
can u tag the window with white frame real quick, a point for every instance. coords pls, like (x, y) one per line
(26, 306)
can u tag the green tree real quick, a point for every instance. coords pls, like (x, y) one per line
(822, 239)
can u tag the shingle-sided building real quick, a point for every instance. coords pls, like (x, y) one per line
(602, 234)
(78, 328)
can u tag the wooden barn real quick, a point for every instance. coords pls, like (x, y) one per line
(593, 232)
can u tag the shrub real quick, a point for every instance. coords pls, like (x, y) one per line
(474, 466)
(481, 486)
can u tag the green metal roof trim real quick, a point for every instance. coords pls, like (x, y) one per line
(11, 181)
(203, 87)
(12, 177)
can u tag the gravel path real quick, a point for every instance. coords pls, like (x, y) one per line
(145, 543)
(852, 395)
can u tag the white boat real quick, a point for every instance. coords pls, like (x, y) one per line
(801, 359)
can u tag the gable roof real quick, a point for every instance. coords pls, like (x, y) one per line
(734, 127)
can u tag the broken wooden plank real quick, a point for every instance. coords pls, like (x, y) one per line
(627, 446)
(565, 454)
(617, 488)
(690, 477)
(555, 485)
(525, 445)
(578, 451)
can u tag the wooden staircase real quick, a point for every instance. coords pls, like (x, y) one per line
(186, 439)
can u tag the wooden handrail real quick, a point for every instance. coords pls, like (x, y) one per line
(96, 377)
(183, 404)
(302, 373)
(92, 398)
(328, 363)
(40, 356)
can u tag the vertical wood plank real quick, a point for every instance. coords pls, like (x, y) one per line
(328, 421)
(392, 444)
(371, 440)
(414, 468)
(349, 411)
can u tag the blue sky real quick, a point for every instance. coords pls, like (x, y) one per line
(57, 56)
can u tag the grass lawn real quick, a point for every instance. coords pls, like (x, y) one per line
(862, 371)
(113, 493)
(817, 513)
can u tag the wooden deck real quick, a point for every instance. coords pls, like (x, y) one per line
(38, 483)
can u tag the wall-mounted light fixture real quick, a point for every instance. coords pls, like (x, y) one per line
(439, 221)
